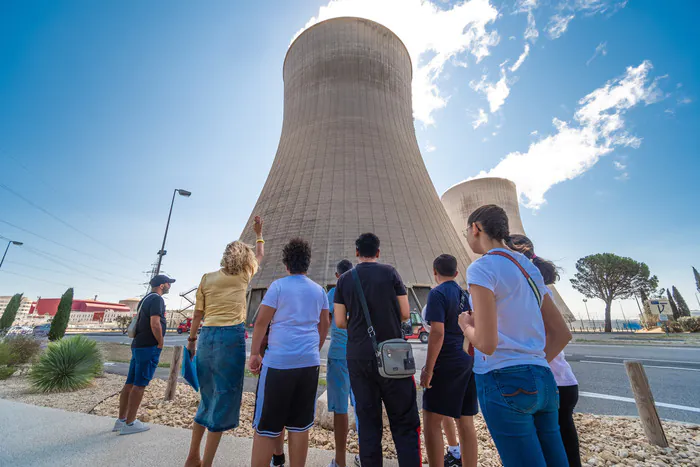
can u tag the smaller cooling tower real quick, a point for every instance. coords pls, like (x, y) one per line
(465, 197)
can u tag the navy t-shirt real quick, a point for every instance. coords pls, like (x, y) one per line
(444, 307)
(151, 305)
(382, 285)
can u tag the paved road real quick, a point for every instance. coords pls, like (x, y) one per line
(42, 437)
(673, 372)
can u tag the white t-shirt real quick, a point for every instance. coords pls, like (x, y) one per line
(294, 339)
(563, 374)
(521, 335)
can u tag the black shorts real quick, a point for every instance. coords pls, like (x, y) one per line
(452, 392)
(285, 399)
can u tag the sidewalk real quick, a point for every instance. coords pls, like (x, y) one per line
(38, 436)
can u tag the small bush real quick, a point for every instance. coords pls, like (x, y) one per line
(650, 321)
(5, 354)
(671, 326)
(23, 349)
(6, 372)
(67, 365)
(690, 323)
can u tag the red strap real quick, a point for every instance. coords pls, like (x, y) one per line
(506, 255)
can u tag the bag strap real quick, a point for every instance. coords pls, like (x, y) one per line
(370, 328)
(138, 310)
(529, 279)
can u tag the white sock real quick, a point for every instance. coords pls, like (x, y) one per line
(454, 450)
(122, 419)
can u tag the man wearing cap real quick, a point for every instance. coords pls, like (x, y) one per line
(145, 353)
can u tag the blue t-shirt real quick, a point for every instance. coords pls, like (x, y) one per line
(444, 307)
(339, 337)
(521, 335)
(294, 339)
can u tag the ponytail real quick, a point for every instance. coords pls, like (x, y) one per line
(522, 244)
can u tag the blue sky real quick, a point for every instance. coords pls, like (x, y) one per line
(106, 107)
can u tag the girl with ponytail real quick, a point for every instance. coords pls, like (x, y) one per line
(564, 376)
(515, 329)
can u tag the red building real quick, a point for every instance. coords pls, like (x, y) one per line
(49, 306)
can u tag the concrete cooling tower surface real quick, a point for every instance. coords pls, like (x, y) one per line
(348, 161)
(465, 197)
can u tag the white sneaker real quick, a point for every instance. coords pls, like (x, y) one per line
(333, 463)
(118, 425)
(137, 427)
(357, 461)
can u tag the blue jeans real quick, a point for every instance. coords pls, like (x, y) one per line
(521, 408)
(220, 371)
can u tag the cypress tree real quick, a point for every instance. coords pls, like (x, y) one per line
(60, 321)
(683, 309)
(674, 308)
(8, 317)
(697, 279)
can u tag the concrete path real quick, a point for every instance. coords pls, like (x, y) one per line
(38, 436)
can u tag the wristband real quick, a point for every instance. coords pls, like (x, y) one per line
(260, 240)
(191, 339)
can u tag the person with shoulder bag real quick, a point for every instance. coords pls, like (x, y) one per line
(515, 329)
(370, 302)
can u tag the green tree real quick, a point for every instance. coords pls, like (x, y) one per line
(609, 277)
(8, 317)
(60, 321)
(674, 308)
(697, 279)
(683, 309)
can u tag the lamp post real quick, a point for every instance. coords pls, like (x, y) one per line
(11, 242)
(585, 302)
(162, 251)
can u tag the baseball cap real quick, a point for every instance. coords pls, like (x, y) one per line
(161, 279)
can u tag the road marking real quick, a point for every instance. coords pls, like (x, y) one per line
(645, 366)
(692, 349)
(629, 399)
(645, 359)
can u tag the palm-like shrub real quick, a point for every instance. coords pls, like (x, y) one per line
(67, 365)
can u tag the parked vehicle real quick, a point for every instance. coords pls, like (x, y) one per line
(41, 330)
(186, 325)
(419, 329)
(19, 331)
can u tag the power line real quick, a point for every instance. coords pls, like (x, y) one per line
(62, 262)
(53, 216)
(4, 271)
(58, 243)
(41, 268)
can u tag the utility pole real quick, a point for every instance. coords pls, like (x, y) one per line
(585, 302)
(11, 242)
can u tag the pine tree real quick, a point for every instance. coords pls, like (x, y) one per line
(697, 279)
(8, 317)
(60, 320)
(683, 309)
(674, 308)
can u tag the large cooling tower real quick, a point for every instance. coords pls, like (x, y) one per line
(348, 161)
(462, 199)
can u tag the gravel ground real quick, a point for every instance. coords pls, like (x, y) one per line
(17, 388)
(605, 441)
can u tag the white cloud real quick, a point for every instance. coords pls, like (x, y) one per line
(481, 119)
(593, 7)
(523, 6)
(619, 165)
(521, 59)
(445, 33)
(429, 147)
(558, 25)
(685, 101)
(601, 49)
(597, 129)
(531, 32)
(534, 133)
(496, 93)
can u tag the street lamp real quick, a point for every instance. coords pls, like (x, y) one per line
(11, 242)
(162, 251)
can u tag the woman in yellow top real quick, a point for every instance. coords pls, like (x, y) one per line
(221, 353)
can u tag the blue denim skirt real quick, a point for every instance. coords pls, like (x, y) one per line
(220, 369)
